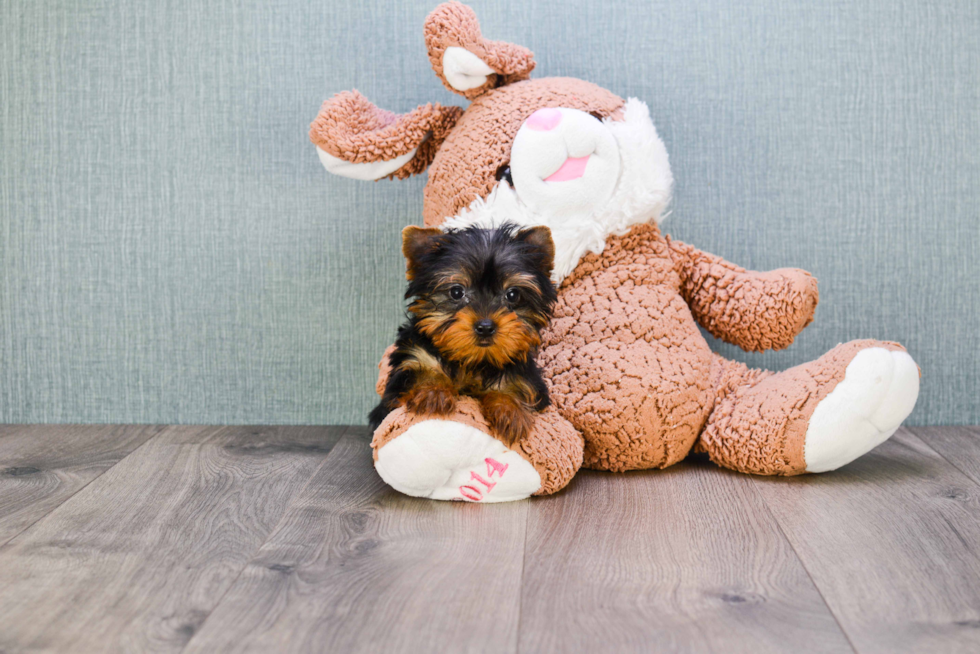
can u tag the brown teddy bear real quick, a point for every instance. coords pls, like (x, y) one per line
(633, 383)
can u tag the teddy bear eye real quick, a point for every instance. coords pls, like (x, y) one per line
(503, 173)
(456, 292)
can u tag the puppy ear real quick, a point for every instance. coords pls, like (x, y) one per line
(467, 63)
(540, 239)
(356, 139)
(416, 243)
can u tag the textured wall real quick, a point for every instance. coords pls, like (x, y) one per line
(172, 251)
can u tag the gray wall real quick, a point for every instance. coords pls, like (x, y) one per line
(172, 251)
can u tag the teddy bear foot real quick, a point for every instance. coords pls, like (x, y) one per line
(878, 392)
(456, 458)
(448, 460)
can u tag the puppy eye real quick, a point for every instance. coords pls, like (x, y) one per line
(456, 292)
(503, 173)
(512, 295)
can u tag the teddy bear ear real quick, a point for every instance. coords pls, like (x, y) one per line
(356, 139)
(467, 63)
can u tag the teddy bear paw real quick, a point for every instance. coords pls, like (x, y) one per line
(447, 460)
(878, 392)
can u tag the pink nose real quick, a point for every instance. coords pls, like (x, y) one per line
(543, 120)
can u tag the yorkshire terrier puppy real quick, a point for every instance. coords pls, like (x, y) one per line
(480, 298)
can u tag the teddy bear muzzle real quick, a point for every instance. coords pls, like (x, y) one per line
(564, 160)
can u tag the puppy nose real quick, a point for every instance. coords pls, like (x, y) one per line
(485, 327)
(543, 120)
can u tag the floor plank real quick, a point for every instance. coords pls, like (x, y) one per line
(138, 558)
(356, 567)
(892, 542)
(960, 446)
(43, 465)
(682, 559)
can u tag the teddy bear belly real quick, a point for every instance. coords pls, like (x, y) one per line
(628, 367)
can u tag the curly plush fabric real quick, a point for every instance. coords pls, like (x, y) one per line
(760, 421)
(465, 167)
(632, 380)
(384, 370)
(351, 128)
(626, 362)
(453, 24)
(628, 369)
(553, 447)
(755, 311)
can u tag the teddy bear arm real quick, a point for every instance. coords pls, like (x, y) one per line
(756, 311)
(384, 370)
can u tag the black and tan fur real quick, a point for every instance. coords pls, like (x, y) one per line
(480, 298)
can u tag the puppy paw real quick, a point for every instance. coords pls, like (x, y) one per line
(508, 418)
(430, 400)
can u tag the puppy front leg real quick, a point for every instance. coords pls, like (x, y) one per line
(508, 417)
(431, 395)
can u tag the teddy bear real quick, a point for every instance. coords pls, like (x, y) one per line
(633, 382)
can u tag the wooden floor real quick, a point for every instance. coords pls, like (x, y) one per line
(283, 539)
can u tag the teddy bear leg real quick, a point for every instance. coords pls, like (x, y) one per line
(458, 458)
(815, 417)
